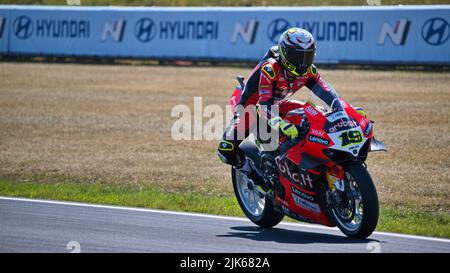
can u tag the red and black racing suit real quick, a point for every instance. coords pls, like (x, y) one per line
(270, 85)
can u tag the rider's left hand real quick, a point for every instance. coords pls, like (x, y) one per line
(286, 128)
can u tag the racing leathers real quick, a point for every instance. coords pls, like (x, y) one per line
(268, 85)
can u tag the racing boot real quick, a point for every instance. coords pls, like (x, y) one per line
(247, 168)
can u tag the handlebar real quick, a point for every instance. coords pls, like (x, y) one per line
(289, 144)
(303, 130)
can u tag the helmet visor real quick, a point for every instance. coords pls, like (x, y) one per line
(299, 57)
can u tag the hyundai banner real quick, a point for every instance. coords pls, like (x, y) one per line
(361, 35)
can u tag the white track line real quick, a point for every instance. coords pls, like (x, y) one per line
(309, 226)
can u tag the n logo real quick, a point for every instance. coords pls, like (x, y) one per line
(115, 30)
(2, 25)
(247, 32)
(398, 34)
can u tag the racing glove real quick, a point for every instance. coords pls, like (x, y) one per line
(286, 128)
(361, 111)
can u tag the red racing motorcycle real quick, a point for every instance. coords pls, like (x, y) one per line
(318, 178)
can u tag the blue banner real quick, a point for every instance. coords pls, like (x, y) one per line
(391, 34)
(4, 30)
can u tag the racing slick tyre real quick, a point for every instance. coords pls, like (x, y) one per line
(355, 209)
(258, 208)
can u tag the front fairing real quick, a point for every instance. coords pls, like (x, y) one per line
(344, 133)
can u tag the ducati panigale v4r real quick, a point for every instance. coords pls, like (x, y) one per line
(320, 177)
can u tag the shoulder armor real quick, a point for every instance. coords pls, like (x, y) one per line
(312, 69)
(271, 68)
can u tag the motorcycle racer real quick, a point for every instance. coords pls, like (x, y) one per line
(283, 70)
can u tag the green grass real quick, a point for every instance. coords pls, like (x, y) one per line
(222, 2)
(401, 220)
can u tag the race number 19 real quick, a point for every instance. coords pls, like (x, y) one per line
(351, 137)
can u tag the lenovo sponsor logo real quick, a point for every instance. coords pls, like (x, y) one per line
(303, 195)
(318, 140)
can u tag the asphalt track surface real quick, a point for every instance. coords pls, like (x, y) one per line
(28, 225)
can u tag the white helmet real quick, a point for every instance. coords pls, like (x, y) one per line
(297, 50)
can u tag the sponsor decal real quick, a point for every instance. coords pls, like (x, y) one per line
(318, 140)
(264, 92)
(145, 30)
(318, 132)
(246, 32)
(363, 122)
(114, 30)
(339, 31)
(342, 124)
(304, 195)
(368, 129)
(335, 116)
(276, 28)
(63, 28)
(23, 27)
(310, 110)
(397, 34)
(436, 31)
(188, 30)
(293, 214)
(290, 171)
(268, 70)
(306, 204)
(265, 77)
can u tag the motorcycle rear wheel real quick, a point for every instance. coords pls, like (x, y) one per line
(257, 208)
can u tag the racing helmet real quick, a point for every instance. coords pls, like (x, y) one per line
(297, 50)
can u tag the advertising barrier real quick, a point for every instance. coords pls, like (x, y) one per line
(360, 35)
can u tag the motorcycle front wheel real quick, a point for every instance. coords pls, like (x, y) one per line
(258, 208)
(355, 210)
